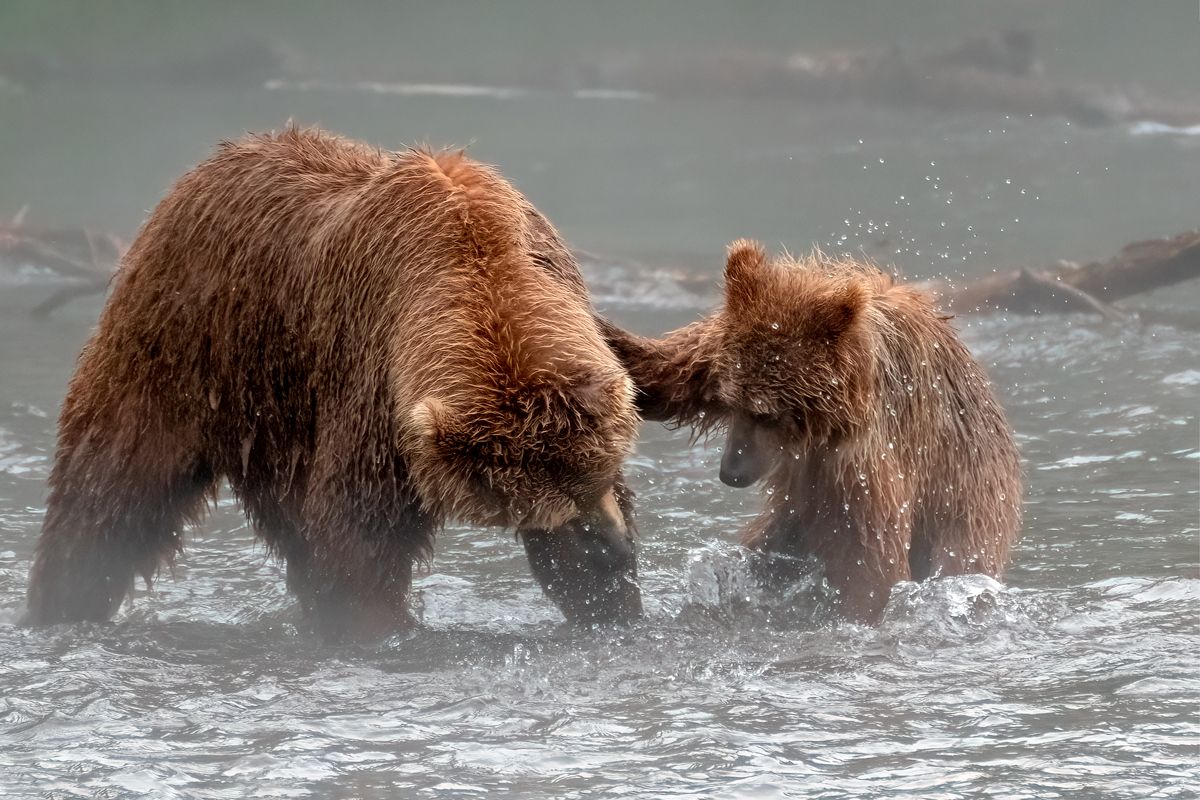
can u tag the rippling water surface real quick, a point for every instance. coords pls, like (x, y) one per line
(1075, 678)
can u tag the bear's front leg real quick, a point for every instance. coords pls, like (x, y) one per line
(357, 600)
(863, 552)
(350, 561)
(673, 375)
(863, 564)
(589, 571)
(352, 599)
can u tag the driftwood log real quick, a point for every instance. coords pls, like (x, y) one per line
(1139, 267)
(87, 257)
(998, 72)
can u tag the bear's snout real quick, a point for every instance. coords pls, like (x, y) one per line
(733, 475)
(747, 457)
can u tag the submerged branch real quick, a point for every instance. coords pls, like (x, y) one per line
(88, 257)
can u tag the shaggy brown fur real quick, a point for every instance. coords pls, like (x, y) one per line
(885, 452)
(365, 344)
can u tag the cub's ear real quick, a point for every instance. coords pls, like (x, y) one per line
(744, 263)
(835, 312)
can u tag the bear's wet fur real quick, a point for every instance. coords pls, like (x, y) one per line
(365, 344)
(884, 451)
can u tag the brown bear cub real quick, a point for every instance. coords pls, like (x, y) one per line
(885, 453)
(365, 345)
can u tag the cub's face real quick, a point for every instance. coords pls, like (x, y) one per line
(762, 374)
(785, 358)
(753, 447)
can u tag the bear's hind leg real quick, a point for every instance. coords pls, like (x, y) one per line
(112, 515)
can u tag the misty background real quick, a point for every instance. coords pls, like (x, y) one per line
(111, 116)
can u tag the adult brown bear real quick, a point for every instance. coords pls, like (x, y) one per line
(365, 344)
(885, 452)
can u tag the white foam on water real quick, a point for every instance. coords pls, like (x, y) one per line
(1147, 128)
(1189, 377)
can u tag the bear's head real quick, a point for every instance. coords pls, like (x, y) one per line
(531, 454)
(793, 358)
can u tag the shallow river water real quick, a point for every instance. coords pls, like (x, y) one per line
(1078, 677)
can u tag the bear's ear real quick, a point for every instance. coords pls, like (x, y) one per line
(431, 421)
(601, 395)
(743, 266)
(835, 312)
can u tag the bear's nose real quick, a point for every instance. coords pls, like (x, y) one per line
(746, 457)
(735, 470)
(738, 480)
